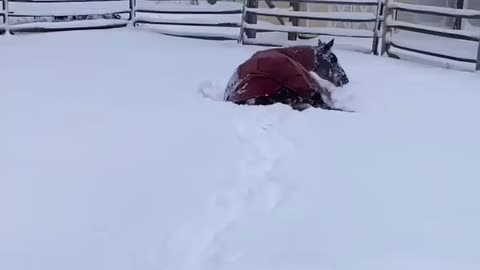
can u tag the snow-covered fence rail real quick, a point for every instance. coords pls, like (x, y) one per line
(250, 26)
(61, 15)
(167, 17)
(392, 23)
(195, 21)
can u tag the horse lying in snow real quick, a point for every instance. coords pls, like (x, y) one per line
(299, 76)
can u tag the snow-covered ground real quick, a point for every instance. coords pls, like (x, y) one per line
(117, 152)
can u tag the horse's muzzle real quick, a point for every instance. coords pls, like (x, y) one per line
(344, 81)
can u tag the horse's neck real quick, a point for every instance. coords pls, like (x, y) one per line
(304, 55)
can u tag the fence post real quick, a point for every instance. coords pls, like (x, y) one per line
(251, 18)
(457, 23)
(377, 27)
(5, 16)
(294, 21)
(478, 57)
(386, 13)
(242, 23)
(133, 7)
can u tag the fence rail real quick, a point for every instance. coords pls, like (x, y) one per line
(51, 16)
(251, 11)
(335, 2)
(218, 17)
(430, 10)
(391, 23)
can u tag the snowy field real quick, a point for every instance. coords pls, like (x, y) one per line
(117, 152)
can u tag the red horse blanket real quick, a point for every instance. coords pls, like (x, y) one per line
(268, 71)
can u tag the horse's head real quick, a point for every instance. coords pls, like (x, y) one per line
(327, 65)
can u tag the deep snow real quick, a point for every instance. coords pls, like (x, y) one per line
(111, 157)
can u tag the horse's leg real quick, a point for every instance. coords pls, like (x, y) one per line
(318, 102)
(283, 96)
(265, 100)
(288, 97)
(301, 106)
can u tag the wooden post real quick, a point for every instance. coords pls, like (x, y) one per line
(387, 12)
(478, 57)
(133, 6)
(377, 27)
(6, 20)
(294, 21)
(251, 18)
(457, 24)
(2, 10)
(380, 12)
(242, 23)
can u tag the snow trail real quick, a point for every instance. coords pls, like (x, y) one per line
(254, 192)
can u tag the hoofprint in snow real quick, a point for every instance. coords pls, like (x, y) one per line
(112, 157)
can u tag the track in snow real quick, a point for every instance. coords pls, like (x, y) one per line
(255, 190)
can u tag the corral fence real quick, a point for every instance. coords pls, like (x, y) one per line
(192, 16)
(235, 20)
(25, 16)
(251, 11)
(30, 16)
(392, 23)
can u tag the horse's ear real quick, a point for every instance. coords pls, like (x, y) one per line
(329, 45)
(320, 43)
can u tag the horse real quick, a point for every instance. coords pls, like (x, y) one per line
(300, 76)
